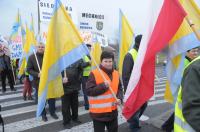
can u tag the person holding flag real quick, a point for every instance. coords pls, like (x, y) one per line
(102, 104)
(191, 54)
(187, 108)
(33, 68)
(128, 64)
(86, 73)
(71, 84)
(6, 68)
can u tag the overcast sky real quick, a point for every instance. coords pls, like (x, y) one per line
(133, 9)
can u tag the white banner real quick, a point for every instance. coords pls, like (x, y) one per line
(46, 9)
(86, 22)
(16, 47)
(94, 23)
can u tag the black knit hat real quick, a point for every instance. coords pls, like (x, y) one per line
(138, 39)
(88, 45)
(107, 55)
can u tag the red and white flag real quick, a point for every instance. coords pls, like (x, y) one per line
(163, 22)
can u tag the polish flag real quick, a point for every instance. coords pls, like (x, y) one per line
(165, 17)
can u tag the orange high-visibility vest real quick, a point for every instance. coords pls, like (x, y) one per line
(105, 102)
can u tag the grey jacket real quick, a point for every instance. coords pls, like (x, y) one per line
(191, 95)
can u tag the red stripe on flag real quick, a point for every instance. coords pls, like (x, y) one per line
(168, 22)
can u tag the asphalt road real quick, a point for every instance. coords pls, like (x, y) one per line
(19, 115)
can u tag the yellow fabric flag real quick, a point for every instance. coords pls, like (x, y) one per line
(126, 39)
(64, 47)
(32, 31)
(96, 53)
(183, 40)
(26, 51)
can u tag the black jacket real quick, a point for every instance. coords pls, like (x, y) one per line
(5, 63)
(74, 73)
(191, 95)
(128, 64)
(32, 68)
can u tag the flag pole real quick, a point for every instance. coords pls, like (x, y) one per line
(157, 78)
(37, 61)
(192, 26)
(65, 74)
(38, 10)
(13, 73)
(104, 78)
(121, 80)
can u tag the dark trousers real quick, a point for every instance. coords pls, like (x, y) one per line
(86, 103)
(51, 102)
(169, 124)
(70, 106)
(99, 126)
(9, 75)
(134, 120)
(52, 107)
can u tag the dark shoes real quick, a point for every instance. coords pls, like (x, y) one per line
(77, 121)
(86, 107)
(67, 125)
(54, 116)
(44, 118)
(14, 89)
(135, 129)
(3, 91)
(24, 97)
(30, 98)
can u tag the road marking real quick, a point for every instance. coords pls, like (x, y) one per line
(157, 102)
(28, 109)
(35, 122)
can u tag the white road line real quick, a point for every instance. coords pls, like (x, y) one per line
(159, 95)
(157, 83)
(27, 109)
(18, 90)
(88, 126)
(16, 86)
(157, 102)
(14, 95)
(160, 90)
(35, 122)
(15, 102)
(156, 96)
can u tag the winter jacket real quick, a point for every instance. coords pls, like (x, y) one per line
(74, 73)
(191, 95)
(94, 90)
(5, 63)
(32, 68)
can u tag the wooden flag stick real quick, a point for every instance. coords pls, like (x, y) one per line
(13, 73)
(65, 74)
(37, 61)
(192, 25)
(104, 78)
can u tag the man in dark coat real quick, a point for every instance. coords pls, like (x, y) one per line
(6, 70)
(33, 70)
(189, 99)
(71, 84)
(128, 64)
